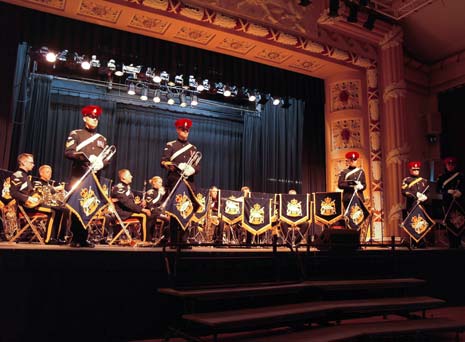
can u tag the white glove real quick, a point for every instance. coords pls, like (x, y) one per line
(187, 169)
(96, 163)
(450, 191)
(421, 197)
(358, 185)
(457, 194)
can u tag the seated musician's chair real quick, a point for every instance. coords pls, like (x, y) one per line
(137, 223)
(37, 221)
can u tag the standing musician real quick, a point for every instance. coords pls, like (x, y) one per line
(154, 198)
(22, 190)
(451, 185)
(414, 189)
(174, 159)
(352, 178)
(124, 200)
(44, 185)
(83, 146)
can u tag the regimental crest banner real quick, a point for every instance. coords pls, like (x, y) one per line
(202, 197)
(88, 199)
(183, 204)
(230, 206)
(294, 209)
(327, 207)
(5, 185)
(257, 215)
(455, 219)
(417, 223)
(356, 213)
(106, 185)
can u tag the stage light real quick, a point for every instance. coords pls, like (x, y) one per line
(85, 65)
(94, 62)
(353, 13)
(194, 101)
(144, 94)
(370, 22)
(252, 97)
(111, 65)
(276, 101)
(227, 91)
(204, 86)
(164, 77)
(62, 56)
(183, 101)
(170, 99)
(179, 80)
(131, 89)
(192, 82)
(156, 96)
(120, 73)
(333, 8)
(51, 57)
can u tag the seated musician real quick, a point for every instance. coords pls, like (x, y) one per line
(297, 235)
(125, 205)
(154, 198)
(22, 190)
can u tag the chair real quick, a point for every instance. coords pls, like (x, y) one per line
(137, 222)
(36, 221)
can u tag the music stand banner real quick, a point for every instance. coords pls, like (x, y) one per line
(328, 207)
(183, 204)
(230, 206)
(455, 220)
(294, 209)
(417, 223)
(88, 199)
(202, 197)
(257, 215)
(356, 213)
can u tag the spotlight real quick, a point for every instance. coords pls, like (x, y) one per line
(183, 100)
(157, 78)
(156, 96)
(51, 57)
(132, 89)
(164, 76)
(85, 65)
(204, 86)
(233, 90)
(120, 73)
(333, 8)
(370, 22)
(194, 101)
(179, 80)
(252, 97)
(192, 82)
(144, 96)
(219, 88)
(276, 101)
(227, 91)
(353, 12)
(62, 56)
(170, 100)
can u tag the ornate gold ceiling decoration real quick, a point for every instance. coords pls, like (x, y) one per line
(194, 35)
(148, 23)
(275, 56)
(97, 10)
(238, 46)
(57, 4)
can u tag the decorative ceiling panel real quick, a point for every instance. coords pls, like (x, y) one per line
(148, 23)
(99, 11)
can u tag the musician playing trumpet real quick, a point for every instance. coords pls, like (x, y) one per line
(83, 147)
(175, 158)
(22, 190)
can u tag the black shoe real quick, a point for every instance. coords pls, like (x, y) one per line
(87, 244)
(74, 244)
(52, 241)
(61, 242)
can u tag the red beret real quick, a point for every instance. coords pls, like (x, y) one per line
(450, 160)
(183, 123)
(352, 155)
(414, 165)
(91, 110)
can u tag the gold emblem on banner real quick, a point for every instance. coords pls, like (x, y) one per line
(6, 189)
(328, 207)
(88, 201)
(294, 208)
(257, 214)
(232, 207)
(201, 200)
(105, 189)
(419, 224)
(137, 200)
(356, 214)
(456, 219)
(184, 205)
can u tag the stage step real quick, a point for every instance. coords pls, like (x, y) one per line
(367, 331)
(274, 316)
(288, 288)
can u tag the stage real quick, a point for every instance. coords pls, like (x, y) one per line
(110, 292)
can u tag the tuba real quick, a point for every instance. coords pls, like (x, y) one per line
(9, 219)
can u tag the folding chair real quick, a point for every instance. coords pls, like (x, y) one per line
(139, 225)
(36, 221)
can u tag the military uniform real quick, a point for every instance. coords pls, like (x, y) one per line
(451, 183)
(154, 199)
(412, 185)
(126, 207)
(21, 188)
(348, 179)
